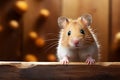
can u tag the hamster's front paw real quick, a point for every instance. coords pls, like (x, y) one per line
(64, 60)
(90, 61)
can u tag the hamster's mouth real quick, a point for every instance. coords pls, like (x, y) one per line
(74, 45)
(78, 45)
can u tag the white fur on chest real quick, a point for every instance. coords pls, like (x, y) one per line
(77, 54)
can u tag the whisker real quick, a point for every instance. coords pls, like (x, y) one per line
(51, 44)
(53, 34)
(52, 39)
(88, 38)
(51, 47)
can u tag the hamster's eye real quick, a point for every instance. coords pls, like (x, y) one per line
(82, 31)
(69, 33)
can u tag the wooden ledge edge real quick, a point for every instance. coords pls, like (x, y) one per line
(32, 64)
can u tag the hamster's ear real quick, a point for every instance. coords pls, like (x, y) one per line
(62, 21)
(86, 19)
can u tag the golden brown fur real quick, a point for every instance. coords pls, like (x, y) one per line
(74, 26)
(77, 42)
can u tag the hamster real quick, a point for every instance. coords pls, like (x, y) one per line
(77, 41)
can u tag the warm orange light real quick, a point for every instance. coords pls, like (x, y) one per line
(44, 12)
(30, 58)
(40, 42)
(14, 24)
(33, 35)
(1, 28)
(21, 5)
(117, 36)
(51, 57)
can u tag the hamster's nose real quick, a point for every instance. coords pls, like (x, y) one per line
(76, 42)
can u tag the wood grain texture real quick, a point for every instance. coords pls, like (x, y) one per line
(114, 30)
(45, 28)
(16, 43)
(57, 71)
(115, 18)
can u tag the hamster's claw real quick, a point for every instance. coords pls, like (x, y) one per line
(64, 60)
(90, 61)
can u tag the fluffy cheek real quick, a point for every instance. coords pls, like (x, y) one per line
(71, 43)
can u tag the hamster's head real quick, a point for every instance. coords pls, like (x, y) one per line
(75, 33)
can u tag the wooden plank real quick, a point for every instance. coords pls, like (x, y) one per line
(57, 71)
(14, 63)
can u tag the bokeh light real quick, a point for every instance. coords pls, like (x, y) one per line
(44, 12)
(117, 36)
(30, 58)
(51, 57)
(21, 5)
(14, 24)
(33, 35)
(1, 28)
(40, 42)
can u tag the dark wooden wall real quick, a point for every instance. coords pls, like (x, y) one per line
(106, 15)
(115, 31)
(45, 28)
(10, 38)
(16, 44)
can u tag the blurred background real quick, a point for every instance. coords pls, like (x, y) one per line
(29, 30)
